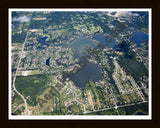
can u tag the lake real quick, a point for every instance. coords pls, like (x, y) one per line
(101, 40)
(138, 37)
(82, 43)
(90, 72)
(47, 61)
(44, 38)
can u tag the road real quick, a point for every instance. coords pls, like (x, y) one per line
(114, 107)
(14, 79)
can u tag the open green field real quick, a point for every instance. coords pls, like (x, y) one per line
(39, 18)
(33, 85)
(28, 72)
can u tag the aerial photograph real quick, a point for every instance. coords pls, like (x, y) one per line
(79, 63)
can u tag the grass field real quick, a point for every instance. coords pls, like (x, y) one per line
(29, 72)
(32, 85)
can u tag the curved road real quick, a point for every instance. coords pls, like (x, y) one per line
(14, 79)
